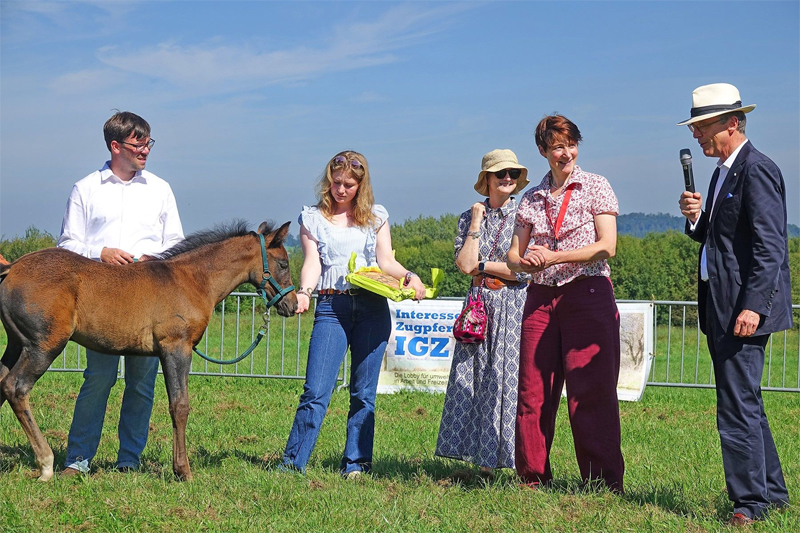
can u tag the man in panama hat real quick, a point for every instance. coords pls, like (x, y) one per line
(744, 291)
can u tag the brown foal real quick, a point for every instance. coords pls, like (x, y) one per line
(158, 308)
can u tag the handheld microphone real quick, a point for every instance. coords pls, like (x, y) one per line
(686, 162)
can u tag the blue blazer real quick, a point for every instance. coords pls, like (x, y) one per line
(747, 249)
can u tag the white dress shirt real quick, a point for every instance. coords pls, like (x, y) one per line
(724, 167)
(139, 216)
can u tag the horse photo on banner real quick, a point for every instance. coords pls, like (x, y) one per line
(636, 347)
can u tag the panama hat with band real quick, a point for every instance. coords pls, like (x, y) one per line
(500, 160)
(713, 100)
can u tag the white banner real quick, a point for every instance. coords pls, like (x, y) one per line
(420, 349)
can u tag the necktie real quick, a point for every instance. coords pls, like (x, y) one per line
(709, 204)
(711, 190)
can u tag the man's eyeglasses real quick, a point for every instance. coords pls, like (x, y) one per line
(704, 128)
(139, 148)
(341, 160)
(513, 173)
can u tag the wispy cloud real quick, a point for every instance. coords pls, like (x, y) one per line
(88, 81)
(214, 67)
(227, 68)
(56, 9)
(62, 20)
(50, 9)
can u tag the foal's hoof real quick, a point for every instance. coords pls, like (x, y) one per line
(187, 476)
(45, 474)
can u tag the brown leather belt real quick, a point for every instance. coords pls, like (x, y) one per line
(494, 283)
(349, 292)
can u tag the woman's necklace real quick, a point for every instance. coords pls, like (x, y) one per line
(555, 190)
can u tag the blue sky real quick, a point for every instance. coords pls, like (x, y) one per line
(249, 100)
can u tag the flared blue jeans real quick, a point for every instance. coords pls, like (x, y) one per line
(361, 322)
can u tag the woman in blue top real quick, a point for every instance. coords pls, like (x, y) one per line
(345, 220)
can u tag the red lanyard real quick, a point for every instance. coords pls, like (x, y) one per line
(560, 219)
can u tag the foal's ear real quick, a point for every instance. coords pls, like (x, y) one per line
(279, 235)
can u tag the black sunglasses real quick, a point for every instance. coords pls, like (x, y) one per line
(513, 173)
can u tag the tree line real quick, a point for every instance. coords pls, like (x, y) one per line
(656, 266)
(642, 224)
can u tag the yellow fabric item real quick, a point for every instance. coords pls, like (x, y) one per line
(374, 280)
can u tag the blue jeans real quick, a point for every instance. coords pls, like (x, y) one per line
(90, 409)
(361, 322)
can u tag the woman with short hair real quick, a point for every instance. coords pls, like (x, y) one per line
(565, 230)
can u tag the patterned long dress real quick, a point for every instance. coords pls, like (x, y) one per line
(480, 405)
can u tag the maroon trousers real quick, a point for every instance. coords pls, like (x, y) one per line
(570, 333)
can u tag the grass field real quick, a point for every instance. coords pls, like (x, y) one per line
(237, 430)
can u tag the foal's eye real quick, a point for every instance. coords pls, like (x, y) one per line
(283, 263)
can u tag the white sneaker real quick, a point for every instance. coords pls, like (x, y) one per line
(81, 466)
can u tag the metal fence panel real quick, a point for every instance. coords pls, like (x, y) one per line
(681, 357)
(680, 352)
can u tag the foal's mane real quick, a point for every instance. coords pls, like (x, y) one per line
(219, 233)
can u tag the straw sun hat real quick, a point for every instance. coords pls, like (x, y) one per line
(714, 100)
(500, 160)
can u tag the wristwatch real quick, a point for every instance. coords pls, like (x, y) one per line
(481, 267)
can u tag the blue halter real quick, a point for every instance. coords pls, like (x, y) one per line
(279, 294)
(267, 277)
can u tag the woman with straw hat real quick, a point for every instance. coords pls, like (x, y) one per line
(481, 400)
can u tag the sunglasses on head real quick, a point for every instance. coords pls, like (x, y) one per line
(513, 173)
(342, 160)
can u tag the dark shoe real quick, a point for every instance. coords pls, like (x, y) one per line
(69, 472)
(486, 473)
(462, 475)
(738, 519)
(288, 468)
(125, 469)
(779, 506)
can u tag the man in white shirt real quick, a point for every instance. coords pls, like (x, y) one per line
(118, 215)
